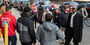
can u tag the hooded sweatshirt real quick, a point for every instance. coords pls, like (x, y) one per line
(7, 17)
(46, 33)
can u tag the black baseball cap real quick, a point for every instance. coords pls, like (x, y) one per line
(27, 9)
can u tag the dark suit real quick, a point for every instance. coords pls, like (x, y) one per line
(76, 31)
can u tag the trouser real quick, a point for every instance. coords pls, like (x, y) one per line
(69, 36)
(29, 43)
(12, 40)
(35, 18)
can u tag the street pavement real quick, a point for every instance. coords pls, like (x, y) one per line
(85, 39)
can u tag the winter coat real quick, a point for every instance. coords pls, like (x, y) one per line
(40, 13)
(25, 28)
(52, 10)
(57, 19)
(7, 17)
(46, 33)
(77, 26)
(64, 19)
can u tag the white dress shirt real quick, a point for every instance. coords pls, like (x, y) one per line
(72, 17)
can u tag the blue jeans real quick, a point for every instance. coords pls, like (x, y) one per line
(12, 40)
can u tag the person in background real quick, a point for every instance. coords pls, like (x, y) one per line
(52, 9)
(84, 11)
(63, 8)
(8, 18)
(57, 18)
(7, 4)
(34, 13)
(25, 28)
(43, 16)
(40, 13)
(3, 8)
(46, 33)
(64, 18)
(74, 27)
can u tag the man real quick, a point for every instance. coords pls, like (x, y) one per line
(57, 18)
(40, 13)
(46, 33)
(25, 28)
(64, 18)
(4, 6)
(6, 3)
(83, 11)
(7, 17)
(52, 9)
(74, 27)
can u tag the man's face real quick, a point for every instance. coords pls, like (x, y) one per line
(6, 3)
(74, 10)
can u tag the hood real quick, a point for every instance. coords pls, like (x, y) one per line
(48, 26)
(6, 13)
(24, 15)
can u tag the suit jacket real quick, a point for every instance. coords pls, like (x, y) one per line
(77, 26)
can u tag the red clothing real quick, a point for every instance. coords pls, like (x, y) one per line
(7, 17)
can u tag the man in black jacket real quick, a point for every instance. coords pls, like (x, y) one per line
(25, 28)
(74, 27)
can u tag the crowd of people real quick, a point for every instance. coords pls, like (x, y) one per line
(65, 23)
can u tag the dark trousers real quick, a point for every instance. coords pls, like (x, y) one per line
(12, 40)
(29, 43)
(69, 37)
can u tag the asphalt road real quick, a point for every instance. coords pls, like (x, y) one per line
(86, 32)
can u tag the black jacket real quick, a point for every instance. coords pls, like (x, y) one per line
(57, 19)
(64, 18)
(52, 10)
(77, 27)
(25, 28)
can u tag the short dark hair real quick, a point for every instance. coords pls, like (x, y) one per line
(27, 9)
(8, 8)
(48, 17)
